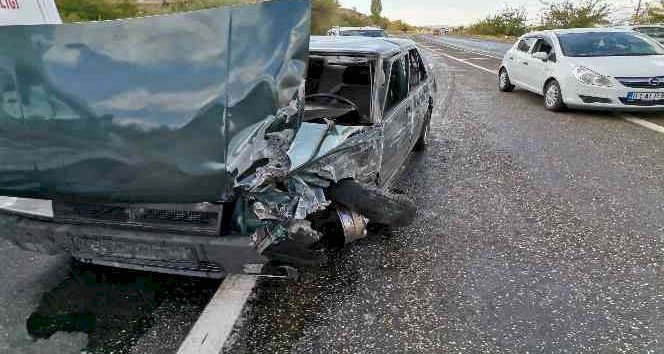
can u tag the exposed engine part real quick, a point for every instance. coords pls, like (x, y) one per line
(353, 225)
(340, 226)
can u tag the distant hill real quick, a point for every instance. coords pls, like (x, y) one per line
(324, 15)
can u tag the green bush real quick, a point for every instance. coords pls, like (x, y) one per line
(192, 5)
(654, 13)
(92, 10)
(588, 13)
(509, 22)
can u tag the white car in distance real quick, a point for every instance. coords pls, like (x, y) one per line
(588, 68)
(368, 31)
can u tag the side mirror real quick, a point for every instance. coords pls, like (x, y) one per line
(543, 56)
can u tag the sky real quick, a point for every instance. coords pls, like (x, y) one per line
(460, 12)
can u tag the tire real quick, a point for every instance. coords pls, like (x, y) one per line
(553, 97)
(423, 140)
(380, 206)
(504, 83)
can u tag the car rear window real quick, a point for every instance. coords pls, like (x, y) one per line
(364, 33)
(657, 33)
(607, 44)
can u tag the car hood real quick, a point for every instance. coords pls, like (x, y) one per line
(163, 109)
(628, 66)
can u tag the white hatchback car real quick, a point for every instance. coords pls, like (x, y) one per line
(590, 68)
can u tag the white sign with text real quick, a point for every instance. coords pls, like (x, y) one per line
(28, 12)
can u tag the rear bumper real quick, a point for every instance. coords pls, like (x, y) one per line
(164, 252)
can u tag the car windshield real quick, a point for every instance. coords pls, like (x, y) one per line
(338, 81)
(364, 33)
(656, 33)
(607, 44)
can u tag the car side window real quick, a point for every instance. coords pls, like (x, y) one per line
(525, 44)
(414, 69)
(545, 45)
(418, 71)
(397, 89)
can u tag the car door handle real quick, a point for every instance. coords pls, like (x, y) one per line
(511, 58)
(525, 63)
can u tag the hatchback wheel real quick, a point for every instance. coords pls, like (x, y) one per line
(504, 83)
(553, 97)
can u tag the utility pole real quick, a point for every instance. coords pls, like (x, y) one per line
(637, 14)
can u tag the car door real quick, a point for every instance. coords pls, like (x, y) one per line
(398, 117)
(420, 92)
(537, 70)
(518, 57)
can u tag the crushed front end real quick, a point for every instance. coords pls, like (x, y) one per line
(174, 143)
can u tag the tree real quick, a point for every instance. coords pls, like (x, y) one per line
(399, 26)
(324, 14)
(376, 7)
(352, 18)
(655, 13)
(588, 13)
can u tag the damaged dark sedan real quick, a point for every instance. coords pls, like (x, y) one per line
(203, 142)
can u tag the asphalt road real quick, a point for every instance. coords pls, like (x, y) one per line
(537, 232)
(52, 305)
(493, 48)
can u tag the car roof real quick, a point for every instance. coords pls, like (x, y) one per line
(578, 30)
(370, 46)
(656, 25)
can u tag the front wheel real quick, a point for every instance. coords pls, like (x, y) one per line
(553, 97)
(423, 140)
(504, 83)
(380, 206)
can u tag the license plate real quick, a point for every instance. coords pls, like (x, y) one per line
(645, 96)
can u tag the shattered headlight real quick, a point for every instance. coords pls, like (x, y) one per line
(590, 77)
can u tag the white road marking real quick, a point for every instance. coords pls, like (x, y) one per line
(7, 201)
(215, 324)
(469, 63)
(642, 122)
(477, 58)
